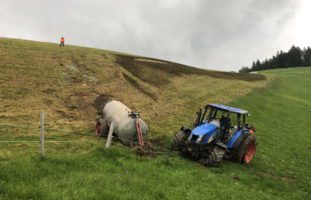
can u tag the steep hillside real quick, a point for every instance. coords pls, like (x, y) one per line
(280, 169)
(69, 84)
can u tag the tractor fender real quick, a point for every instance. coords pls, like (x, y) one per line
(236, 139)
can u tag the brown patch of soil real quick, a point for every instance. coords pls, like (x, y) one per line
(139, 87)
(100, 102)
(282, 178)
(146, 152)
(131, 64)
(159, 141)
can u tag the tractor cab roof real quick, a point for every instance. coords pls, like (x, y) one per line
(228, 109)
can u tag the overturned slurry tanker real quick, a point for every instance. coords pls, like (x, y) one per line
(125, 124)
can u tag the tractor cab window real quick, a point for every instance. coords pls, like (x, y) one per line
(220, 115)
(225, 121)
(214, 114)
(210, 115)
(236, 120)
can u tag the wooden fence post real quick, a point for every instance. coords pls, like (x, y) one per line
(42, 134)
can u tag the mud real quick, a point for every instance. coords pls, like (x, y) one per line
(159, 141)
(147, 151)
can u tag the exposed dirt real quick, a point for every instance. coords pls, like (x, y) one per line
(146, 152)
(144, 71)
(77, 100)
(139, 87)
(137, 68)
(282, 178)
(159, 141)
(100, 102)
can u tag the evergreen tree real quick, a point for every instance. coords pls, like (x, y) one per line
(307, 57)
(295, 57)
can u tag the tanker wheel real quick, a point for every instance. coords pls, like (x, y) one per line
(215, 158)
(246, 151)
(179, 140)
(101, 127)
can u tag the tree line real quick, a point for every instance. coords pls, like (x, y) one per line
(295, 57)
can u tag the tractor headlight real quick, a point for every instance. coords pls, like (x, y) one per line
(199, 139)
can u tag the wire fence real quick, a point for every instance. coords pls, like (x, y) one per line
(149, 148)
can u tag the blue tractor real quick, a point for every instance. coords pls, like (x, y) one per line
(219, 132)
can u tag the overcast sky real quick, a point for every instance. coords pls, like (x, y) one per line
(213, 34)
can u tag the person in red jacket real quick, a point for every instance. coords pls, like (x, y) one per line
(62, 42)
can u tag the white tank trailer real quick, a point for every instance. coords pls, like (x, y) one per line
(124, 122)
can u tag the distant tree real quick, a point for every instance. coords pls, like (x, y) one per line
(306, 56)
(244, 70)
(257, 65)
(253, 65)
(281, 59)
(295, 57)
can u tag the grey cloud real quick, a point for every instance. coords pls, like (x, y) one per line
(214, 34)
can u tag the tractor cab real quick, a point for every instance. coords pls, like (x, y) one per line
(224, 114)
(217, 121)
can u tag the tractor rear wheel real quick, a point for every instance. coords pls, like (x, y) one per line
(245, 152)
(179, 140)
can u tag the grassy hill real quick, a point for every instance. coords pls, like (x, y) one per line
(68, 84)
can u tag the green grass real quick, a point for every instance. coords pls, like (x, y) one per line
(281, 112)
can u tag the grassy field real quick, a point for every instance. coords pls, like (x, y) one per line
(41, 77)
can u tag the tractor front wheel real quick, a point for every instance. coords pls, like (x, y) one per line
(179, 140)
(215, 158)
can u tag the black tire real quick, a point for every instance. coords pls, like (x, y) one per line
(101, 127)
(215, 158)
(238, 154)
(179, 140)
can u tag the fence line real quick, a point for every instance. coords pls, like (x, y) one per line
(19, 141)
(164, 150)
(41, 140)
